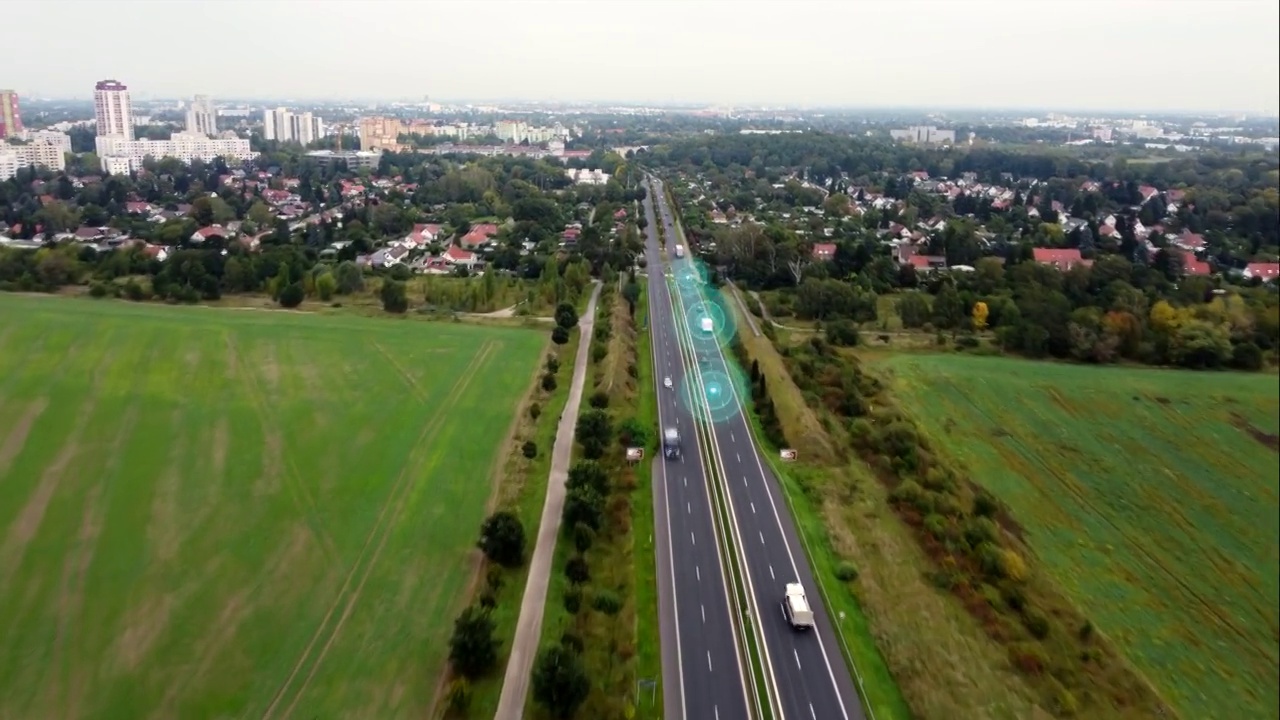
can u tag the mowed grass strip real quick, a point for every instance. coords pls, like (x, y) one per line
(1150, 495)
(204, 511)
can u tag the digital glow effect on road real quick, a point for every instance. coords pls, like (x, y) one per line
(703, 304)
(715, 399)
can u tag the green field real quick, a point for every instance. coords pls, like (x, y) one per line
(1149, 495)
(216, 513)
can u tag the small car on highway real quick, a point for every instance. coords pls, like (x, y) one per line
(666, 382)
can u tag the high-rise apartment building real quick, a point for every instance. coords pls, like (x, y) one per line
(285, 126)
(277, 125)
(925, 135)
(380, 133)
(307, 128)
(201, 117)
(10, 118)
(112, 109)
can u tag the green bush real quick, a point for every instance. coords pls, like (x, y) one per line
(134, 291)
(572, 600)
(935, 525)
(459, 696)
(1036, 623)
(607, 602)
(846, 572)
(577, 570)
(529, 449)
(979, 530)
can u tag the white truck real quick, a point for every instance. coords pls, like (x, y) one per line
(707, 326)
(795, 607)
(679, 251)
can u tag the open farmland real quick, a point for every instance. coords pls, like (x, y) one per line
(214, 513)
(1150, 496)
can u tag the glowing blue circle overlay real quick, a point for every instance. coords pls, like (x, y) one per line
(716, 399)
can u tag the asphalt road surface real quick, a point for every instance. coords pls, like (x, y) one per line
(702, 665)
(811, 678)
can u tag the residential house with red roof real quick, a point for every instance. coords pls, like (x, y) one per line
(823, 252)
(209, 232)
(1187, 240)
(457, 257)
(479, 235)
(1061, 258)
(1192, 266)
(1267, 271)
(423, 234)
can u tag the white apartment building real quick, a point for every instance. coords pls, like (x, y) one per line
(306, 128)
(202, 117)
(113, 109)
(587, 177)
(285, 126)
(9, 165)
(518, 131)
(62, 141)
(15, 157)
(184, 146)
(924, 135)
(276, 124)
(116, 165)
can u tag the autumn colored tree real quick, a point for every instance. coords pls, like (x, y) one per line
(980, 313)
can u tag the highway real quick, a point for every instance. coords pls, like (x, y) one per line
(703, 665)
(805, 670)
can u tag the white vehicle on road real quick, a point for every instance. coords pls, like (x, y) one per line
(707, 326)
(671, 443)
(666, 382)
(795, 607)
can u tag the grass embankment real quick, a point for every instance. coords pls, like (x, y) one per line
(612, 616)
(1150, 497)
(973, 547)
(227, 514)
(827, 499)
(521, 487)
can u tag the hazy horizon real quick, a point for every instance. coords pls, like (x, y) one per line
(999, 55)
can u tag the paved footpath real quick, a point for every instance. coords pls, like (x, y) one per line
(524, 646)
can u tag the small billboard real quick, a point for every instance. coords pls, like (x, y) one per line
(635, 454)
(788, 454)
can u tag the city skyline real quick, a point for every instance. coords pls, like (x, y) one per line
(993, 54)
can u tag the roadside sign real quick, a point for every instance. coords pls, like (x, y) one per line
(635, 454)
(788, 454)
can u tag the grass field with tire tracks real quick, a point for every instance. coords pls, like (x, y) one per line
(211, 513)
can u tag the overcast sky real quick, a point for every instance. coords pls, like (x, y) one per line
(1220, 55)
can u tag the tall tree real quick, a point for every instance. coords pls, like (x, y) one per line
(560, 682)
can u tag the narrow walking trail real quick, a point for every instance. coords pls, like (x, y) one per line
(524, 646)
